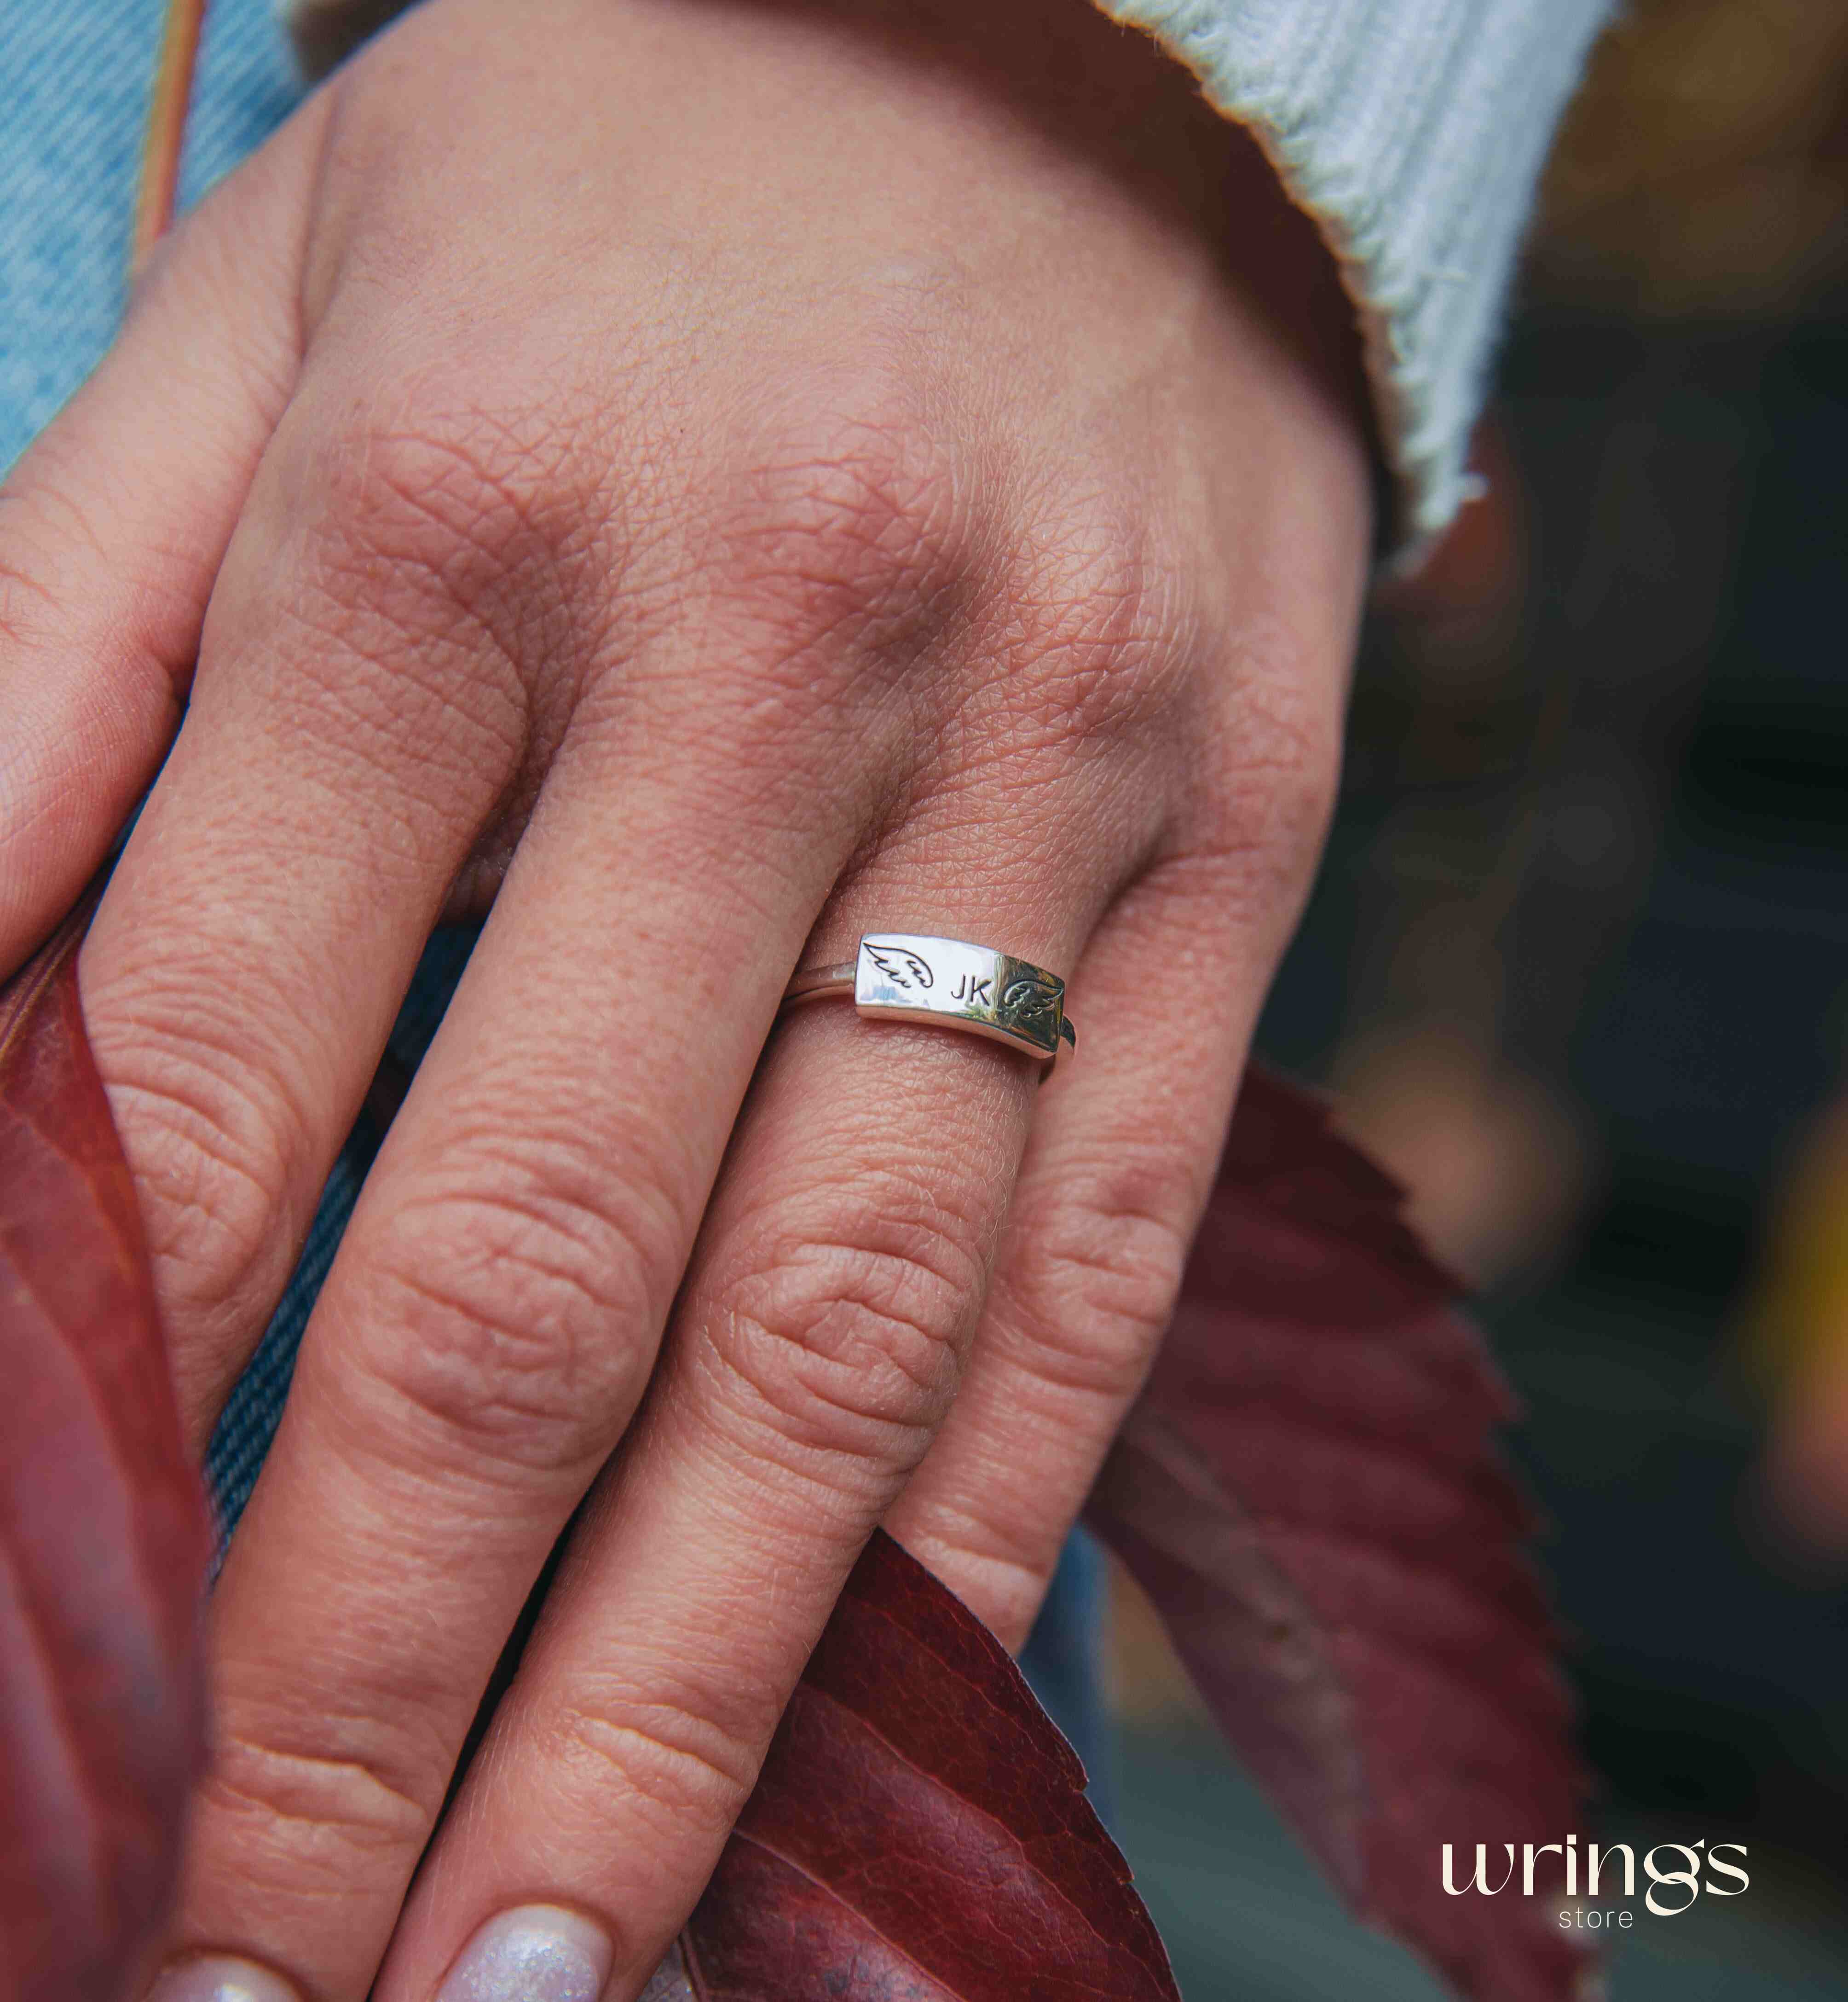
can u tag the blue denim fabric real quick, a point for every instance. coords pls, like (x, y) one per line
(75, 78)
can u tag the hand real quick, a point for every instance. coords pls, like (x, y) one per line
(713, 479)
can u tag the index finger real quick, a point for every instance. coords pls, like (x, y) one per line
(114, 525)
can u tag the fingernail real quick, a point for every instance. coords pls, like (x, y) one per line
(218, 1978)
(535, 1953)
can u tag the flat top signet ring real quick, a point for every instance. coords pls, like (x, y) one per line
(907, 976)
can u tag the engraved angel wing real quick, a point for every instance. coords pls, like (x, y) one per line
(901, 967)
(1034, 1005)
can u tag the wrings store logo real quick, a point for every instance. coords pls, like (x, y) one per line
(1670, 1891)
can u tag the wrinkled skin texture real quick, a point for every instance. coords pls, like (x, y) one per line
(708, 480)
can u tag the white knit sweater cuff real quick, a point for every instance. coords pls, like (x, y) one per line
(1414, 132)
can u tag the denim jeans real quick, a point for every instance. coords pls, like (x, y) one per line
(74, 76)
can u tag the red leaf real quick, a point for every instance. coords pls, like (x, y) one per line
(102, 1531)
(1309, 1491)
(919, 1833)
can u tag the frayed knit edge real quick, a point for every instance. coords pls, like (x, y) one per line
(1427, 381)
(1425, 495)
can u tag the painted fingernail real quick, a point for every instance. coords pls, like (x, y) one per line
(534, 1953)
(218, 1978)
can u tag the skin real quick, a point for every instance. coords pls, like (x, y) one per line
(706, 479)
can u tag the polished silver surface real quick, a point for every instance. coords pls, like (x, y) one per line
(911, 977)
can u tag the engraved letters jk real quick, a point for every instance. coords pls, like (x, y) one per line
(990, 993)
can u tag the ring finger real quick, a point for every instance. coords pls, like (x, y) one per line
(1116, 1173)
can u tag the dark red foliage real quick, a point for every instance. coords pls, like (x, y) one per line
(919, 1834)
(1310, 1493)
(102, 1530)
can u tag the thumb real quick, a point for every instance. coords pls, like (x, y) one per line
(114, 525)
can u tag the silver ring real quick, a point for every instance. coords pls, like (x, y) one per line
(905, 977)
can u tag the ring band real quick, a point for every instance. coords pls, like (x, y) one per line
(905, 977)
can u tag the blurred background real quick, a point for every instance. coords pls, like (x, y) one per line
(1576, 968)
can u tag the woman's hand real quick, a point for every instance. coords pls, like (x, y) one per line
(723, 477)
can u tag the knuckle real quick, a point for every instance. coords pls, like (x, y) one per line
(309, 1803)
(511, 1311)
(436, 622)
(1094, 1271)
(453, 496)
(849, 1338)
(677, 1768)
(217, 1147)
(1088, 642)
(846, 530)
(1268, 784)
(456, 534)
(1102, 640)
